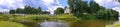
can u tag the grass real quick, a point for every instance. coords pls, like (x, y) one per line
(117, 24)
(64, 16)
(10, 24)
(39, 18)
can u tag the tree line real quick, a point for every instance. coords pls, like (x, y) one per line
(80, 9)
(83, 10)
(28, 10)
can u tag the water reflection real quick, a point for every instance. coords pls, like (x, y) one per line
(90, 23)
(82, 23)
(53, 24)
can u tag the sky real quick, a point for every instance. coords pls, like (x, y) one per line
(6, 5)
(112, 4)
(50, 5)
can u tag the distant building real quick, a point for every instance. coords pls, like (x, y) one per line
(67, 10)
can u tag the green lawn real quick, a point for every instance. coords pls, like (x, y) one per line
(10, 24)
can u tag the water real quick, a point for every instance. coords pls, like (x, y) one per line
(82, 23)
(90, 23)
(53, 24)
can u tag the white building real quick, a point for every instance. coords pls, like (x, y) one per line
(67, 10)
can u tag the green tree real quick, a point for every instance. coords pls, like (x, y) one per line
(19, 10)
(39, 10)
(81, 9)
(93, 8)
(28, 10)
(12, 11)
(45, 12)
(107, 14)
(31, 10)
(36, 11)
(59, 10)
(78, 7)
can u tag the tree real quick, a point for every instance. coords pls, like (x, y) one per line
(39, 10)
(59, 10)
(78, 7)
(45, 12)
(36, 11)
(28, 10)
(19, 10)
(93, 8)
(107, 14)
(12, 11)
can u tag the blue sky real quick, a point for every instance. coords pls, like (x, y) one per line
(50, 5)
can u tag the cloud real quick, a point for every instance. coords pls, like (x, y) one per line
(108, 3)
(10, 4)
(113, 4)
(52, 5)
(44, 4)
(3, 10)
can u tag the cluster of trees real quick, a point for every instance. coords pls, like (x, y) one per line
(59, 11)
(79, 8)
(28, 10)
(83, 10)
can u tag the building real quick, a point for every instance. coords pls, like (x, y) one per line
(67, 10)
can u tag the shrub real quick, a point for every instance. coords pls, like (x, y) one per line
(88, 16)
(66, 17)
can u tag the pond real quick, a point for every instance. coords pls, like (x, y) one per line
(90, 23)
(83, 23)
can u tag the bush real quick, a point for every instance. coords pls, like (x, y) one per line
(88, 16)
(66, 17)
(10, 24)
(36, 17)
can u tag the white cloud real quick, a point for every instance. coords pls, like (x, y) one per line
(113, 4)
(10, 4)
(108, 3)
(51, 5)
